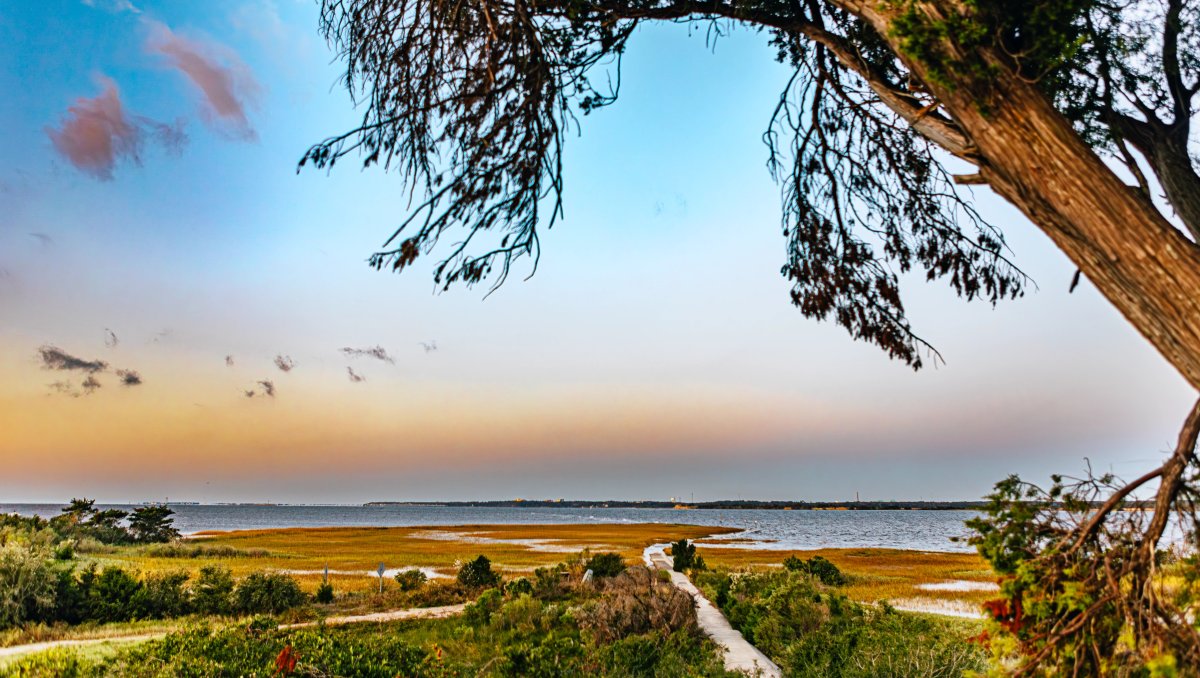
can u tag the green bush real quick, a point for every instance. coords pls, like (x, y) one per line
(606, 564)
(685, 558)
(324, 593)
(822, 569)
(811, 630)
(518, 587)
(479, 613)
(162, 596)
(111, 596)
(27, 584)
(478, 573)
(411, 580)
(267, 593)
(213, 591)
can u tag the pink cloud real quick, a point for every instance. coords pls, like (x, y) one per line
(96, 132)
(225, 82)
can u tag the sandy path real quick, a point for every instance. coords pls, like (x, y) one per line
(739, 654)
(386, 616)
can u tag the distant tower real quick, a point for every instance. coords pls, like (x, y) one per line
(856, 496)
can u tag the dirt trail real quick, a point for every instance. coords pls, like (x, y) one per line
(739, 654)
(386, 616)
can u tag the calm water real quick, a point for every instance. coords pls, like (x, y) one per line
(920, 530)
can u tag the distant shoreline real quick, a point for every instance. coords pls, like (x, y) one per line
(705, 505)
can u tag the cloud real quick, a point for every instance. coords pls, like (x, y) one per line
(42, 238)
(377, 352)
(266, 386)
(114, 5)
(228, 361)
(110, 338)
(129, 377)
(96, 133)
(284, 363)
(90, 384)
(226, 84)
(356, 378)
(54, 358)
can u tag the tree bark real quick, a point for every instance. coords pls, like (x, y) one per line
(1031, 156)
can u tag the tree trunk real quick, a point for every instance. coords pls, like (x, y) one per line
(1032, 157)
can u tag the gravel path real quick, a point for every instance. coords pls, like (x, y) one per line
(739, 654)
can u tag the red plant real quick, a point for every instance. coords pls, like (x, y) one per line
(285, 661)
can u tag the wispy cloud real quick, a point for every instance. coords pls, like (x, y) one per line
(54, 358)
(129, 377)
(376, 352)
(228, 361)
(268, 387)
(285, 363)
(90, 384)
(354, 377)
(110, 338)
(98, 132)
(114, 5)
(227, 85)
(45, 240)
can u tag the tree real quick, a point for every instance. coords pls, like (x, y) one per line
(152, 524)
(1040, 100)
(478, 573)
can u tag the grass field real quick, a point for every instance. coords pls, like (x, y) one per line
(353, 553)
(915, 579)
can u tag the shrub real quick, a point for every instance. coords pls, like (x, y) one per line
(479, 613)
(27, 584)
(213, 592)
(478, 573)
(111, 595)
(518, 587)
(161, 596)
(324, 594)
(606, 564)
(637, 602)
(549, 583)
(683, 556)
(269, 592)
(826, 572)
(411, 580)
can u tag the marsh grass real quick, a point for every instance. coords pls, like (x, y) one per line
(874, 574)
(513, 549)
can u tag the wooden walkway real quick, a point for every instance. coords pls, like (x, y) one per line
(739, 654)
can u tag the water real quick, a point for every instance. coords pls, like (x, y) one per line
(917, 530)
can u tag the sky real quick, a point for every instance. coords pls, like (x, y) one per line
(160, 254)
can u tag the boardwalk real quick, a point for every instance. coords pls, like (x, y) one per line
(739, 654)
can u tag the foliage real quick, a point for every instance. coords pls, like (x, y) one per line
(684, 557)
(111, 595)
(812, 630)
(1082, 591)
(27, 583)
(213, 590)
(324, 594)
(152, 524)
(637, 602)
(518, 636)
(410, 580)
(606, 564)
(268, 592)
(479, 613)
(520, 586)
(161, 596)
(478, 573)
(826, 572)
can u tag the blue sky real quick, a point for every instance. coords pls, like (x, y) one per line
(655, 353)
